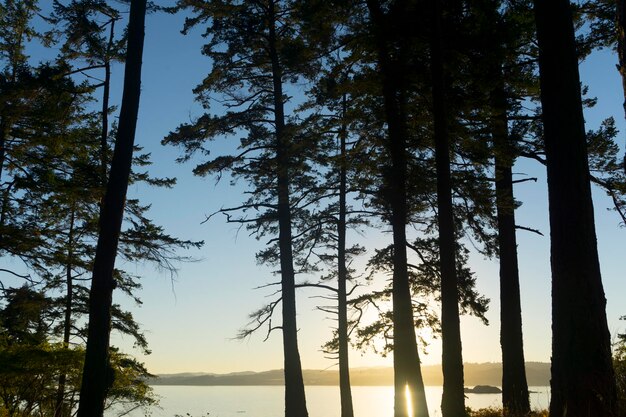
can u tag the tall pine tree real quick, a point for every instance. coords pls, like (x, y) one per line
(582, 382)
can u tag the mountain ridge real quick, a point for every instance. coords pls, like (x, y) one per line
(489, 373)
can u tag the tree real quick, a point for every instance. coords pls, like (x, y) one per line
(514, 386)
(346, 180)
(342, 276)
(453, 399)
(503, 80)
(86, 40)
(55, 180)
(96, 370)
(391, 34)
(257, 57)
(35, 101)
(579, 328)
(338, 215)
(31, 362)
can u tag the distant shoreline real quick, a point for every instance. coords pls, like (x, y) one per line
(537, 374)
(310, 385)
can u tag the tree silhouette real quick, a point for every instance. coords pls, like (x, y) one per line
(96, 372)
(258, 57)
(391, 28)
(579, 328)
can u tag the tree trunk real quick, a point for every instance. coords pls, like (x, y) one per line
(106, 87)
(345, 389)
(295, 399)
(406, 361)
(96, 372)
(583, 382)
(104, 135)
(453, 399)
(4, 133)
(3, 209)
(67, 322)
(515, 399)
(621, 50)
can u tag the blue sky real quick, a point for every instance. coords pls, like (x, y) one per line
(190, 320)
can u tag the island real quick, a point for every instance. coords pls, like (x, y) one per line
(483, 389)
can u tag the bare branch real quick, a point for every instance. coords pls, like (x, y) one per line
(534, 179)
(310, 285)
(529, 229)
(15, 274)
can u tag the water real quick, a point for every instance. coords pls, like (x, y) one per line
(322, 401)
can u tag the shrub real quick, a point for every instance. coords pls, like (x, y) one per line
(497, 412)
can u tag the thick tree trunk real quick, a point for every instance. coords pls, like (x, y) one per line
(515, 399)
(583, 382)
(406, 362)
(295, 400)
(96, 372)
(345, 389)
(453, 399)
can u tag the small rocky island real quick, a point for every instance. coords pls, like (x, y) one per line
(483, 389)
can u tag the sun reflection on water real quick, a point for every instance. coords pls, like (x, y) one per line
(409, 402)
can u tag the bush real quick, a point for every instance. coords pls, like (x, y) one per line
(485, 412)
(497, 412)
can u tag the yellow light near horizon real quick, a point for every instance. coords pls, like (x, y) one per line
(409, 402)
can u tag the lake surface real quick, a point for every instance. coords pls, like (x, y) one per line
(322, 401)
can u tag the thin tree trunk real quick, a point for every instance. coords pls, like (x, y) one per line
(104, 135)
(453, 398)
(515, 399)
(345, 389)
(96, 372)
(406, 361)
(6, 126)
(67, 322)
(295, 399)
(583, 382)
(3, 139)
(5, 208)
(4, 133)
(621, 50)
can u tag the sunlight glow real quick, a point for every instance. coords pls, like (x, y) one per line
(409, 403)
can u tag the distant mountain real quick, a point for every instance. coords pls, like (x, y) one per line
(538, 374)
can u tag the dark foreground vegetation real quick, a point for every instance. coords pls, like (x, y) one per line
(403, 115)
(496, 412)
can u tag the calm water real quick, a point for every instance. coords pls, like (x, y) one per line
(322, 401)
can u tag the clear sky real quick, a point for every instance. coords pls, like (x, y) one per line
(191, 320)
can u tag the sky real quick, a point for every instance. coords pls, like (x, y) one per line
(191, 319)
